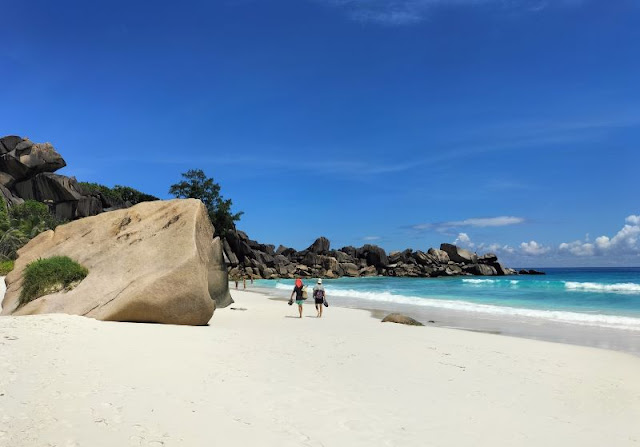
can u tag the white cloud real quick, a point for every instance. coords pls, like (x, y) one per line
(633, 220)
(577, 248)
(508, 249)
(499, 221)
(406, 12)
(464, 240)
(624, 242)
(371, 238)
(532, 248)
(495, 248)
(490, 247)
(622, 245)
(474, 222)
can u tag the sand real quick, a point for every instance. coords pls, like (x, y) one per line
(262, 377)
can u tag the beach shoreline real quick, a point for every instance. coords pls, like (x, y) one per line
(622, 340)
(258, 374)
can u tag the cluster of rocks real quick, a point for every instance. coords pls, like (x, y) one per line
(247, 258)
(27, 173)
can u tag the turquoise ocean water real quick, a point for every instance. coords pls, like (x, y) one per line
(599, 297)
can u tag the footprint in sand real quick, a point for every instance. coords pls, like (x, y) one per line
(140, 439)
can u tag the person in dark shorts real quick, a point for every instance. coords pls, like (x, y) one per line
(297, 291)
(318, 296)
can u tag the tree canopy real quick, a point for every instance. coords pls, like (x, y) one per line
(21, 223)
(118, 193)
(197, 185)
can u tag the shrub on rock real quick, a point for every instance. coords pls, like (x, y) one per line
(50, 275)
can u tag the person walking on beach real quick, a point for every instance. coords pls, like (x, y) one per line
(297, 291)
(318, 296)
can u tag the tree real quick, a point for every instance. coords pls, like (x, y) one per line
(118, 193)
(20, 224)
(197, 185)
(128, 194)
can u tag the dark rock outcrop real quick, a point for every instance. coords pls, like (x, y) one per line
(480, 269)
(440, 256)
(248, 258)
(530, 272)
(374, 255)
(457, 254)
(22, 158)
(27, 173)
(320, 246)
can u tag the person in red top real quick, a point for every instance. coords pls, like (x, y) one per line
(297, 291)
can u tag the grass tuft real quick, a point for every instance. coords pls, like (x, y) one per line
(6, 267)
(50, 275)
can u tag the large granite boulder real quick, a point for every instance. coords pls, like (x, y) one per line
(441, 256)
(421, 258)
(9, 143)
(154, 262)
(320, 246)
(401, 256)
(217, 275)
(480, 269)
(374, 255)
(457, 254)
(22, 158)
(9, 198)
(233, 259)
(66, 198)
(488, 258)
(6, 180)
(350, 269)
(350, 250)
(500, 270)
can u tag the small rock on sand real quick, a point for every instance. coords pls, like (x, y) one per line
(402, 319)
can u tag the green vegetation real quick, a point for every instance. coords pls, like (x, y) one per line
(6, 267)
(118, 193)
(32, 218)
(21, 223)
(197, 185)
(50, 275)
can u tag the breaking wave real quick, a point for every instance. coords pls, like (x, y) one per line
(561, 316)
(609, 321)
(627, 287)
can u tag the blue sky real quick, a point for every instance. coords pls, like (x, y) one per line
(509, 125)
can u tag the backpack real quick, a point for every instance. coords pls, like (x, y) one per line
(318, 294)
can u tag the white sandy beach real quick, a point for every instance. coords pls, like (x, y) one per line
(262, 377)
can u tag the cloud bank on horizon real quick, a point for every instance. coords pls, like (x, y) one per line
(624, 244)
(407, 12)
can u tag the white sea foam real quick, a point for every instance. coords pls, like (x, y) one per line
(626, 287)
(493, 282)
(479, 281)
(609, 321)
(585, 319)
